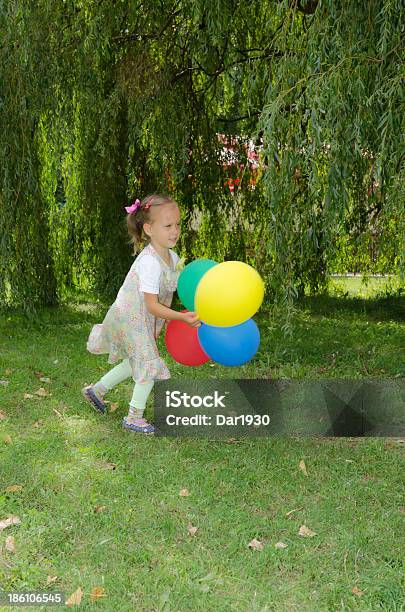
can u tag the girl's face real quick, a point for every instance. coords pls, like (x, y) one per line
(164, 226)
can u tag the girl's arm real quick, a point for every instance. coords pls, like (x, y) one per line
(163, 312)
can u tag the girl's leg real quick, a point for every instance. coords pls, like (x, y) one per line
(121, 372)
(94, 394)
(135, 419)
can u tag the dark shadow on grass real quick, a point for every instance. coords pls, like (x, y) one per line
(376, 309)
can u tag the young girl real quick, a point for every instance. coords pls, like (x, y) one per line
(134, 321)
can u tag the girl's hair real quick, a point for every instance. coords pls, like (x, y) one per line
(137, 218)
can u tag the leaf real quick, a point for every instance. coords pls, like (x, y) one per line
(4, 382)
(302, 467)
(305, 532)
(105, 465)
(98, 509)
(113, 406)
(255, 544)
(45, 379)
(38, 424)
(28, 396)
(280, 545)
(10, 545)
(97, 593)
(2, 415)
(191, 529)
(288, 515)
(184, 493)
(75, 598)
(8, 372)
(357, 591)
(8, 522)
(39, 374)
(42, 392)
(51, 579)
(13, 489)
(7, 439)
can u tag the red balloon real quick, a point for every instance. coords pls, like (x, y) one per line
(183, 344)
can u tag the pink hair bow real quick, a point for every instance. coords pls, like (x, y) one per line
(134, 206)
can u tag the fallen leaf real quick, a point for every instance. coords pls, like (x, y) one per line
(105, 465)
(255, 544)
(8, 372)
(58, 413)
(11, 520)
(4, 382)
(42, 392)
(45, 379)
(13, 489)
(2, 415)
(184, 493)
(280, 545)
(99, 509)
(38, 424)
(302, 467)
(28, 396)
(10, 546)
(97, 593)
(191, 530)
(51, 579)
(7, 439)
(75, 598)
(288, 515)
(305, 532)
(113, 406)
(39, 374)
(56, 361)
(357, 591)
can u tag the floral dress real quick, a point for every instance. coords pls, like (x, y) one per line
(129, 330)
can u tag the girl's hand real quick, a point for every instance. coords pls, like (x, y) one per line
(191, 319)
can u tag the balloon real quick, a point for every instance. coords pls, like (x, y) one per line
(189, 279)
(230, 346)
(229, 294)
(183, 344)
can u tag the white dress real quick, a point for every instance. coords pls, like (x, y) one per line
(129, 330)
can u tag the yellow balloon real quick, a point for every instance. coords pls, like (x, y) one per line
(229, 294)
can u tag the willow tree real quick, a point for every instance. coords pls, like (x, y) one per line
(105, 100)
(27, 270)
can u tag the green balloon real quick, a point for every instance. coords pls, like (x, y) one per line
(189, 279)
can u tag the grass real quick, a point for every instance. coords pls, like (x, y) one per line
(100, 507)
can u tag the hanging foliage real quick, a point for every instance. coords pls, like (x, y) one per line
(276, 125)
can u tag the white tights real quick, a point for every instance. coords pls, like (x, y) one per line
(119, 373)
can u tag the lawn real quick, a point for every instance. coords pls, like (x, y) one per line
(100, 508)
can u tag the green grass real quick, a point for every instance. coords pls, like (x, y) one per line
(138, 547)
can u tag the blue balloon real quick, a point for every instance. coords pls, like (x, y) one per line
(230, 346)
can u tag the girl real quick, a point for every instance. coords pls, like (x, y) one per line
(134, 321)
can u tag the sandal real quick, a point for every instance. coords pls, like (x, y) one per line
(94, 400)
(147, 428)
